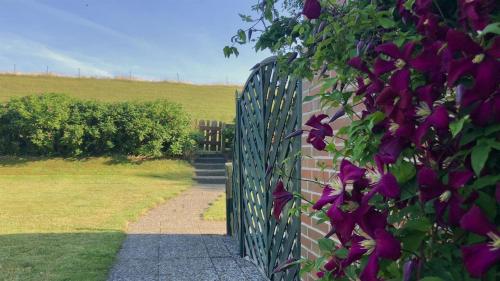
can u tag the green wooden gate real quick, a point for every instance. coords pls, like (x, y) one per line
(268, 109)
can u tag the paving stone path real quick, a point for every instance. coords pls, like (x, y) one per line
(172, 242)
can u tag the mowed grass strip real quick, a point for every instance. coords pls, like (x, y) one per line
(65, 220)
(217, 210)
(214, 102)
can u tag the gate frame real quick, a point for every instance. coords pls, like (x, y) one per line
(289, 93)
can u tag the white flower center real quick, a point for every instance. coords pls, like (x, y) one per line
(400, 63)
(423, 110)
(495, 244)
(478, 58)
(445, 196)
(368, 245)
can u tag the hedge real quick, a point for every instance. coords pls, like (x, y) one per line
(57, 125)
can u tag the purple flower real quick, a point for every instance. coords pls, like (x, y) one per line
(487, 111)
(447, 196)
(477, 62)
(349, 172)
(432, 60)
(370, 85)
(320, 130)
(342, 222)
(400, 60)
(328, 196)
(436, 117)
(280, 198)
(408, 268)
(381, 245)
(389, 149)
(478, 258)
(428, 25)
(312, 9)
(476, 12)
(387, 185)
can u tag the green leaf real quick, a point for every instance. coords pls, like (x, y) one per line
(420, 224)
(491, 28)
(485, 181)
(479, 156)
(491, 129)
(309, 98)
(488, 204)
(457, 126)
(326, 245)
(412, 241)
(470, 136)
(386, 22)
(242, 36)
(342, 253)
(403, 171)
(409, 4)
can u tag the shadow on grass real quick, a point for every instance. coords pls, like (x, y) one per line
(170, 175)
(116, 159)
(58, 256)
(102, 256)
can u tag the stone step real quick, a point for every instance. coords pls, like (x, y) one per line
(210, 160)
(209, 166)
(201, 173)
(210, 180)
(210, 155)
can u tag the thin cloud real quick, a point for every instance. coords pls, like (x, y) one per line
(20, 47)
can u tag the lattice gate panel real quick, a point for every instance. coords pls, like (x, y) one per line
(268, 109)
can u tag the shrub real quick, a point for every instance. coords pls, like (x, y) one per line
(54, 124)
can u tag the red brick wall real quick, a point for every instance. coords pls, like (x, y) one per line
(310, 230)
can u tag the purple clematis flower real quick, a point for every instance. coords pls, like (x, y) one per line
(436, 117)
(478, 258)
(400, 61)
(476, 12)
(381, 245)
(342, 222)
(387, 185)
(428, 25)
(280, 198)
(447, 196)
(320, 130)
(389, 149)
(350, 173)
(312, 9)
(328, 196)
(482, 64)
(370, 85)
(487, 111)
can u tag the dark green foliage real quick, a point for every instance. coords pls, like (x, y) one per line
(53, 124)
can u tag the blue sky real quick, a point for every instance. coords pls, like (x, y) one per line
(152, 39)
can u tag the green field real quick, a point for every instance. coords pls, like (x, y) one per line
(215, 102)
(65, 219)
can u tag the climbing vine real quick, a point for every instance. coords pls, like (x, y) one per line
(418, 185)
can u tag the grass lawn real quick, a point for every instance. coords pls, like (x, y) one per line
(214, 102)
(217, 210)
(65, 220)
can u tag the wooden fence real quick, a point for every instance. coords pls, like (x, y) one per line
(212, 132)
